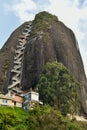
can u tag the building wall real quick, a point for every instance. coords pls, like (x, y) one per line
(34, 96)
(9, 102)
(6, 102)
(18, 98)
(18, 104)
(31, 96)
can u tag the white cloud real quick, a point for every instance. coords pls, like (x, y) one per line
(72, 12)
(23, 9)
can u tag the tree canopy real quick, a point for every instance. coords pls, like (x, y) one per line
(57, 87)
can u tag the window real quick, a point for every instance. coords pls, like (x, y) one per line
(4, 101)
(27, 97)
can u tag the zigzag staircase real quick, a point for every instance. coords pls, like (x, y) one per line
(16, 71)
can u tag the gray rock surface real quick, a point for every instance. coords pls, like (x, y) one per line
(54, 43)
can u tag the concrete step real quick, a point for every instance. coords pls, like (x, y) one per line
(16, 71)
(14, 84)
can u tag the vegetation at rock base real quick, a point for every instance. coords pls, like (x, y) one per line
(44, 118)
(42, 22)
(57, 88)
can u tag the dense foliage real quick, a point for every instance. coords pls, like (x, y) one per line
(42, 22)
(12, 119)
(40, 118)
(57, 88)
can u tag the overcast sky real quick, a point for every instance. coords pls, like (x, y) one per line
(73, 13)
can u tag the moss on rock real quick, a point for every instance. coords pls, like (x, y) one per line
(42, 21)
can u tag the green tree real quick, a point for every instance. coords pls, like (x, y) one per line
(57, 88)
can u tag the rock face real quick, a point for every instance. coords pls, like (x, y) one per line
(50, 40)
(6, 57)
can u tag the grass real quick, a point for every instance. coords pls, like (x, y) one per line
(44, 118)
